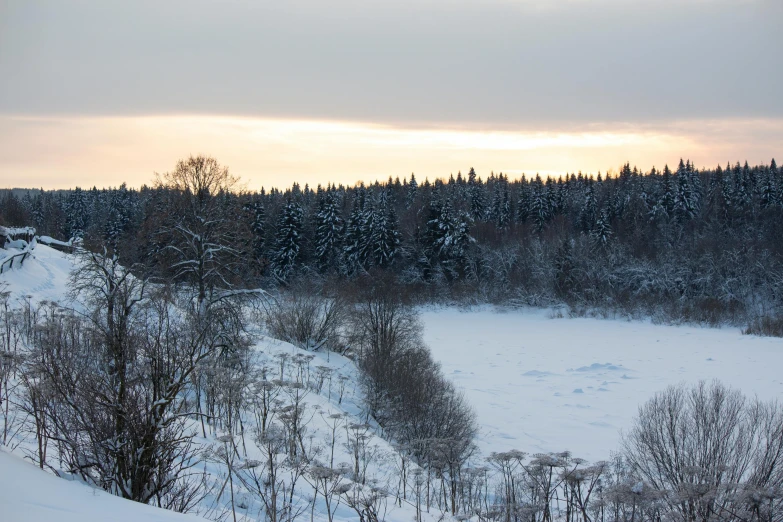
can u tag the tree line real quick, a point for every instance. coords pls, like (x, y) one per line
(686, 244)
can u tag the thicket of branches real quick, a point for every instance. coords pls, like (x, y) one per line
(703, 453)
(110, 385)
(689, 244)
(405, 389)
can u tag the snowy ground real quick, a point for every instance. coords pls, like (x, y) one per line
(27, 493)
(43, 277)
(32, 495)
(540, 384)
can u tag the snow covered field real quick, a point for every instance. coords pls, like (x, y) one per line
(540, 384)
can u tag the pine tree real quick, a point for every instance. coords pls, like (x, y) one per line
(500, 210)
(589, 210)
(539, 206)
(370, 221)
(384, 236)
(76, 212)
(410, 195)
(447, 238)
(288, 240)
(523, 200)
(685, 197)
(476, 196)
(258, 229)
(39, 209)
(741, 198)
(551, 198)
(354, 235)
(767, 190)
(602, 230)
(329, 230)
(625, 173)
(667, 192)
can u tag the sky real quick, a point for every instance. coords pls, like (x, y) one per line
(101, 92)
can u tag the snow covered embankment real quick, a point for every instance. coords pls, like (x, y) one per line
(335, 436)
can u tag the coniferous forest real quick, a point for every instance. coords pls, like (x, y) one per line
(689, 244)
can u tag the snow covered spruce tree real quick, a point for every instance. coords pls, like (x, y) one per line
(355, 249)
(446, 240)
(329, 232)
(258, 226)
(288, 241)
(383, 238)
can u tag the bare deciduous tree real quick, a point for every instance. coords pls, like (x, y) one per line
(716, 454)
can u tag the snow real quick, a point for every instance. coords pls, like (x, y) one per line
(44, 276)
(540, 384)
(18, 244)
(48, 240)
(30, 494)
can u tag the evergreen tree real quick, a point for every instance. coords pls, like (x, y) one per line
(384, 235)
(410, 195)
(501, 204)
(76, 211)
(686, 197)
(767, 190)
(667, 192)
(355, 240)
(258, 230)
(288, 242)
(476, 196)
(329, 229)
(523, 201)
(39, 210)
(448, 238)
(741, 198)
(539, 206)
(602, 230)
(589, 210)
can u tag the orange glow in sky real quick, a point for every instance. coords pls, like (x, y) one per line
(62, 152)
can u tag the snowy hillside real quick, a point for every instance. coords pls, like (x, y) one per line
(28, 494)
(335, 432)
(540, 384)
(44, 276)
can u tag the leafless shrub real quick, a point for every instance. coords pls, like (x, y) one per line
(716, 454)
(107, 386)
(308, 319)
(768, 325)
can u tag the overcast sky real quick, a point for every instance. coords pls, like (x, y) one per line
(680, 72)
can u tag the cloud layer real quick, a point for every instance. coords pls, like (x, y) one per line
(481, 64)
(96, 92)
